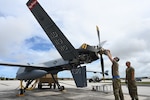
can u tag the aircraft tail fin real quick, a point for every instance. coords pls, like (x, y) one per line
(79, 75)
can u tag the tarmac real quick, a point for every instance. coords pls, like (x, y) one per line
(94, 91)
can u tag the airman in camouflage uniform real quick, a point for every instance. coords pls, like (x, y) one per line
(130, 81)
(116, 82)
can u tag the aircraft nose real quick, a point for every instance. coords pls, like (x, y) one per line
(34, 74)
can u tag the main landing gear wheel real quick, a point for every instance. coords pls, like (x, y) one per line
(61, 88)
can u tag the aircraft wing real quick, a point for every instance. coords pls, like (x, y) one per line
(49, 65)
(64, 47)
(94, 71)
(23, 65)
(106, 72)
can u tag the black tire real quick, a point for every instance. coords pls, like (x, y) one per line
(39, 86)
(90, 80)
(61, 88)
(50, 86)
(54, 86)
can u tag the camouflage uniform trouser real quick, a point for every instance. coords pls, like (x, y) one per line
(117, 89)
(132, 90)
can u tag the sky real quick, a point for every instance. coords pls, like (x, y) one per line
(124, 24)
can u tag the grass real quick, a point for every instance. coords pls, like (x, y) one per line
(139, 83)
(144, 83)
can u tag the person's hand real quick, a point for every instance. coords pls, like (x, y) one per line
(106, 52)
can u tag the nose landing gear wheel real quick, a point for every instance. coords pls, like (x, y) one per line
(21, 90)
(29, 86)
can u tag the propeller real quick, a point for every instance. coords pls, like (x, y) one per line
(98, 33)
(100, 48)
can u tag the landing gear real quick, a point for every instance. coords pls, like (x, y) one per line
(61, 88)
(21, 90)
(28, 86)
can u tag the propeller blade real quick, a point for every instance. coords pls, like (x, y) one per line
(99, 46)
(98, 33)
(102, 65)
(102, 43)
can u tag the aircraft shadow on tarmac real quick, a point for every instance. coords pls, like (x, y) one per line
(54, 94)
